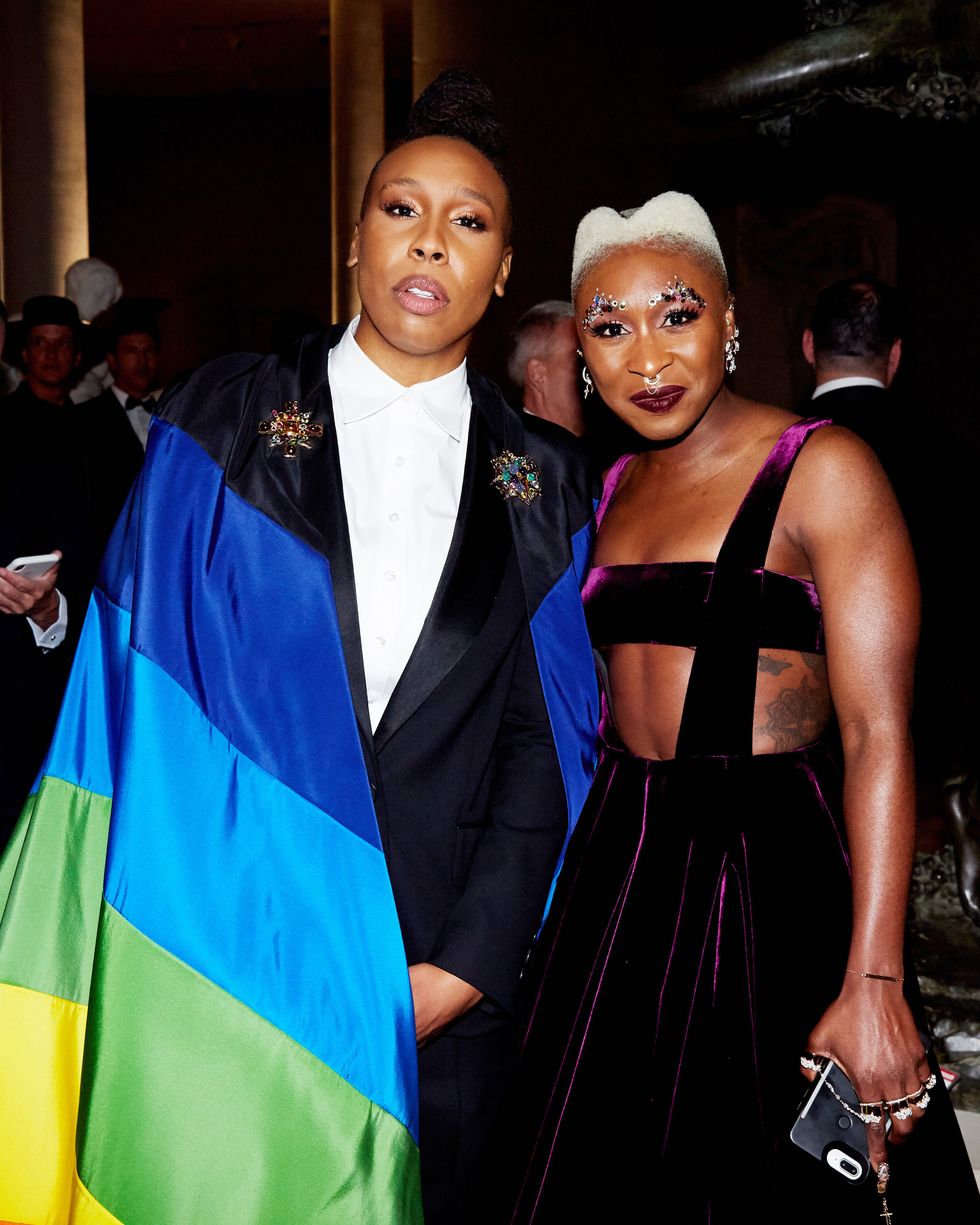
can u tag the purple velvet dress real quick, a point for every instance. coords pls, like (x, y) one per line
(699, 930)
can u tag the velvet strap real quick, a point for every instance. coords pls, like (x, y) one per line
(720, 700)
(609, 486)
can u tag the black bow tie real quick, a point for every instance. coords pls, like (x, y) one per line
(133, 402)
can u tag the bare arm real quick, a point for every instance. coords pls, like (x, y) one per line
(853, 534)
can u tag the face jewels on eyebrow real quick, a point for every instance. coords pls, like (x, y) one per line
(678, 292)
(601, 305)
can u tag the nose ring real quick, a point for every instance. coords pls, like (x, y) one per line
(652, 384)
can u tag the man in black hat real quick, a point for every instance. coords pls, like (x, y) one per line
(44, 507)
(52, 349)
(116, 422)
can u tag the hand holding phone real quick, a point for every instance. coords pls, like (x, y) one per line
(33, 566)
(27, 588)
(826, 1129)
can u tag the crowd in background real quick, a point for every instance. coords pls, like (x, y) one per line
(78, 383)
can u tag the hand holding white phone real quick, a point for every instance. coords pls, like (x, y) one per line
(33, 566)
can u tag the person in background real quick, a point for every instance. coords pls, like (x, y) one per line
(854, 344)
(44, 508)
(116, 422)
(543, 365)
(50, 337)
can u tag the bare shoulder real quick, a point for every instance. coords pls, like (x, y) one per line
(838, 486)
(834, 456)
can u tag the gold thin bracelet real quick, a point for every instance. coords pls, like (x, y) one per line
(885, 978)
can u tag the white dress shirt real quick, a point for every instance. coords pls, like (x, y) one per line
(138, 418)
(856, 380)
(402, 453)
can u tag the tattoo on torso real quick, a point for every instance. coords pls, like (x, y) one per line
(798, 713)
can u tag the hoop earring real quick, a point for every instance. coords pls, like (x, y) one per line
(731, 348)
(587, 380)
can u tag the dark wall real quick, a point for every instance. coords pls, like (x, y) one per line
(220, 203)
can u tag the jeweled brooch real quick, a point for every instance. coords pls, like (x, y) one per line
(289, 428)
(516, 476)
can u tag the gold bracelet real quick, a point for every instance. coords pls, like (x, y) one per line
(885, 978)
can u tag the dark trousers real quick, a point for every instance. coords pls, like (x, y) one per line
(462, 1083)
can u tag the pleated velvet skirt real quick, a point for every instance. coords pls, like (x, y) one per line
(699, 930)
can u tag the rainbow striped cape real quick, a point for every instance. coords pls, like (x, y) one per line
(205, 1014)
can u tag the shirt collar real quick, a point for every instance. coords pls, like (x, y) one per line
(856, 380)
(360, 388)
(123, 396)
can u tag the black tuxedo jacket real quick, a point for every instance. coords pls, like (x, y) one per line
(468, 792)
(865, 410)
(44, 505)
(114, 456)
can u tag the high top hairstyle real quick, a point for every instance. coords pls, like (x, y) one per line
(671, 221)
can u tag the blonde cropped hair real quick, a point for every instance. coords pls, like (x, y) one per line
(672, 220)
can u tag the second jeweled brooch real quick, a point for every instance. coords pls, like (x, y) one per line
(516, 476)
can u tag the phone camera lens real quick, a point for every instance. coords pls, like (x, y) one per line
(843, 1122)
(849, 1168)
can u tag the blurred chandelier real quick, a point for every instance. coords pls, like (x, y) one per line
(918, 59)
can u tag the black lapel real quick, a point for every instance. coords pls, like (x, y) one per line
(306, 494)
(471, 576)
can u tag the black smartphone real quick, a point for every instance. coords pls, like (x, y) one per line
(828, 1131)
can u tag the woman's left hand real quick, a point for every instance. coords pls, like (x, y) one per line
(870, 1033)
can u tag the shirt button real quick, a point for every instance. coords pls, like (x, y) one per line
(381, 641)
(390, 576)
(399, 461)
(394, 517)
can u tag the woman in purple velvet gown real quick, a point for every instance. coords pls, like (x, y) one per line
(729, 889)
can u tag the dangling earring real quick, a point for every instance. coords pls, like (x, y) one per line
(586, 377)
(731, 348)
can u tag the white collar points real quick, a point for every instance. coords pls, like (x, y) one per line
(360, 388)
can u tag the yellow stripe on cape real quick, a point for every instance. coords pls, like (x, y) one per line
(41, 1040)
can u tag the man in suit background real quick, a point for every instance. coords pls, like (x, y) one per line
(543, 365)
(116, 422)
(44, 507)
(854, 345)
